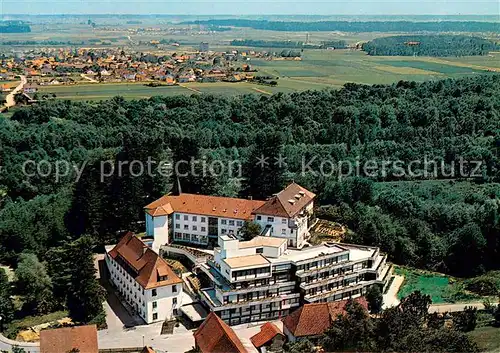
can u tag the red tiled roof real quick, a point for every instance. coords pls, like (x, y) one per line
(314, 319)
(280, 205)
(83, 338)
(267, 332)
(215, 336)
(215, 206)
(144, 261)
(148, 350)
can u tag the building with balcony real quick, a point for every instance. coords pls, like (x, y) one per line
(200, 219)
(144, 281)
(262, 279)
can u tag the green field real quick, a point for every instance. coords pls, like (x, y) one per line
(441, 288)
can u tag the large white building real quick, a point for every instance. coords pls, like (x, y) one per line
(201, 219)
(262, 279)
(144, 280)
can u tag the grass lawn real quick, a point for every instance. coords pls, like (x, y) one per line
(441, 288)
(29, 321)
(488, 338)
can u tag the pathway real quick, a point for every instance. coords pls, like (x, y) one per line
(89, 78)
(9, 99)
(391, 297)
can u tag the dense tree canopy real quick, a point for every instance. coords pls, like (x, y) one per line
(429, 45)
(356, 26)
(429, 216)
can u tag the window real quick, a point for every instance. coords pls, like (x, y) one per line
(174, 301)
(203, 229)
(195, 228)
(223, 230)
(203, 220)
(177, 225)
(155, 316)
(259, 218)
(283, 231)
(231, 223)
(195, 219)
(177, 216)
(259, 250)
(270, 219)
(153, 293)
(155, 305)
(223, 221)
(175, 312)
(174, 289)
(185, 217)
(283, 221)
(239, 223)
(186, 227)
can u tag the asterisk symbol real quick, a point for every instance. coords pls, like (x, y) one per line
(262, 161)
(280, 161)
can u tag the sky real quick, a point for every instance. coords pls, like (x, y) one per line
(252, 7)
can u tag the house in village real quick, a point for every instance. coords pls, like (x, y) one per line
(82, 339)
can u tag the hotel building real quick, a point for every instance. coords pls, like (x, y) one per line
(262, 279)
(200, 220)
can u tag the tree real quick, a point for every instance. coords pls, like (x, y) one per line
(353, 331)
(250, 230)
(301, 346)
(263, 171)
(6, 304)
(85, 294)
(375, 299)
(466, 320)
(17, 349)
(34, 284)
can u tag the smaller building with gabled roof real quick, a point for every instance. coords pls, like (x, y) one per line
(215, 336)
(269, 339)
(143, 279)
(79, 338)
(312, 320)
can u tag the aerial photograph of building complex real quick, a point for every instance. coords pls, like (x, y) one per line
(229, 176)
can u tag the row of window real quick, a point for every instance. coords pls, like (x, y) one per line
(190, 237)
(271, 219)
(230, 222)
(193, 218)
(194, 227)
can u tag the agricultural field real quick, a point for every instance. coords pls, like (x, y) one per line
(318, 69)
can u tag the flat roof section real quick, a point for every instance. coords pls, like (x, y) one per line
(246, 261)
(273, 242)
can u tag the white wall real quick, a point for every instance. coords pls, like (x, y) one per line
(142, 299)
(160, 232)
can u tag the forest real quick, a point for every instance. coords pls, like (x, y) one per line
(429, 45)
(355, 26)
(431, 221)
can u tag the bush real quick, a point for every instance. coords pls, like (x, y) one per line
(487, 284)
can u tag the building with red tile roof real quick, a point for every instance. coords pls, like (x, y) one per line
(311, 320)
(215, 336)
(269, 335)
(82, 338)
(143, 279)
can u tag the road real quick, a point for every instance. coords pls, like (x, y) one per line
(441, 308)
(6, 345)
(90, 79)
(10, 101)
